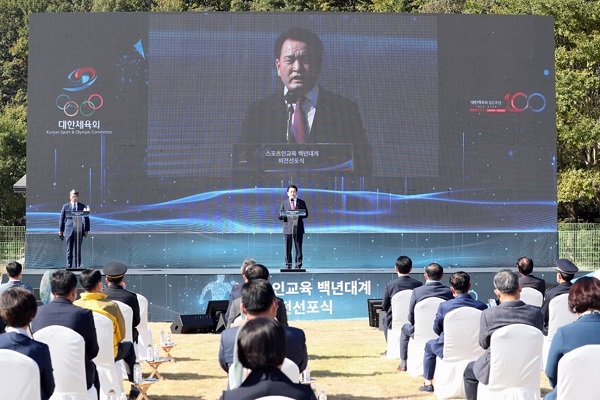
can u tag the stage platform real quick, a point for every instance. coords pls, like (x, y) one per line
(326, 293)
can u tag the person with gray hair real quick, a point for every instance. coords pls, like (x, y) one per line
(236, 290)
(511, 310)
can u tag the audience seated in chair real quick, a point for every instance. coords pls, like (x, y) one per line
(115, 291)
(511, 310)
(584, 299)
(18, 307)
(433, 287)
(261, 345)
(14, 270)
(565, 272)
(460, 284)
(236, 290)
(525, 267)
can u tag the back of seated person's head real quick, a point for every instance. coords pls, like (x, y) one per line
(434, 271)
(565, 276)
(257, 296)
(90, 278)
(404, 264)
(584, 295)
(461, 282)
(507, 282)
(525, 265)
(256, 271)
(17, 307)
(62, 282)
(247, 261)
(261, 343)
(14, 269)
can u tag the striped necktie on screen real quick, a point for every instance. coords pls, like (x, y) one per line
(300, 124)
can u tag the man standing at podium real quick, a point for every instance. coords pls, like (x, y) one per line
(291, 235)
(70, 228)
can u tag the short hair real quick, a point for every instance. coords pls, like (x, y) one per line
(261, 343)
(256, 271)
(247, 261)
(62, 282)
(14, 269)
(404, 264)
(584, 295)
(115, 279)
(291, 186)
(74, 191)
(566, 276)
(525, 265)
(302, 35)
(434, 271)
(257, 296)
(506, 281)
(460, 282)
(90, 278)
(17, 306)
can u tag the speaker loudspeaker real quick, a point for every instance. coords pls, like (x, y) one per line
(193, 323)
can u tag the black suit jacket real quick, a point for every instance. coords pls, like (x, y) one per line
(403, 282)
(38, 352)
(296, 347)
(61, 311)
(287, 222)
(269, 382)
(561, 288)
(116, 292)
(533, 282)
(66, 223)
(429, 289)
(337, 120)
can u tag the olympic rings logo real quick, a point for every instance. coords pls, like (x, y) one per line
(72, 108)
(520, 102)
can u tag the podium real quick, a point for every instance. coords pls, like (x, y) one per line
(294, 215)
(78, 226)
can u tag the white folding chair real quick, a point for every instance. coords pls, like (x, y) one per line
(20, 376)
(291, 370)
(578, 374)
(532, 296)
(67, 350)
(399, 317)
(425, 311)
(145, 334)
(109, 372)
(128, 317)
(275, 398)
(558, 315)
(516, 353)
(461, 346)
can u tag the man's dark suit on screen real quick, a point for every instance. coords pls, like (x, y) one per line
(67, 226)
(403, 282)
(116, 292)
(337, 120)
(38, 352)
(293, 238)
(269, 382)
(61, 311)
(533, 282)
(296, 347)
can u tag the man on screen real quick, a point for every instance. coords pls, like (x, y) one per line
(291, 235)
(317, 115)
(73, 230)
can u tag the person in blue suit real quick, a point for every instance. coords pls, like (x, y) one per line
(68, 229)
(18, 307)
(584, 299)
(460, 284)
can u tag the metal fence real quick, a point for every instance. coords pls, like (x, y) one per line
(577, 242)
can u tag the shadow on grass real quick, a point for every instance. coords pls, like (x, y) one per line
(319, 373)
(187, 376)
(335, 357)
(176, 397)
(352, 397)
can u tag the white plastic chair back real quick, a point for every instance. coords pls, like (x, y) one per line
(532, 296)
(67, 350)
(275, 398)
(20, 376)
(461, 346)
(578, 374)
(425, 311)
(558, 315)
(399, 317)
(128, 317)
(516, 352)
(291, 370)
(145, 334)
(109, 372)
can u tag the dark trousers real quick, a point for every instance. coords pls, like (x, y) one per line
(430, 359)
(74, 250)
(471, 382)
(126, 353)
(296, 241)
(408, 331)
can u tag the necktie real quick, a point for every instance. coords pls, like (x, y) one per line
(300, 124)
(293, 204)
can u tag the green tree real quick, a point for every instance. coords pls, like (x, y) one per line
(13, 133)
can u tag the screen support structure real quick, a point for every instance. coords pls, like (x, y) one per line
(294, 215)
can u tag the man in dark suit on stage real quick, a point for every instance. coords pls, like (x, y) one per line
(258, 300)
(291, 236)
(525, 267)
(433, 287)
(61, 311)
(511, 310)
(402, 282)
(115, 290)
(565, 272)
(317, 115)
(69, 229)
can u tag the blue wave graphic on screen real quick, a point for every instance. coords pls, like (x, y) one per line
(256, 211)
